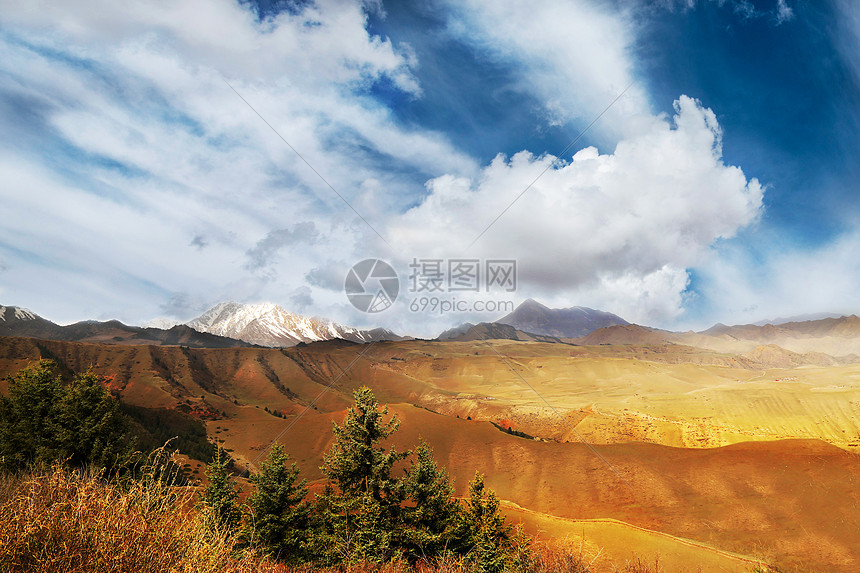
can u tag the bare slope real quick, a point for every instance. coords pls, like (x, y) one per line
(790, 502)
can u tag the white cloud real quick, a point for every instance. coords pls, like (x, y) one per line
(202, 182)
(784, 13)
(625, 224)
(141, 86)
(789, 282)
(575, 57)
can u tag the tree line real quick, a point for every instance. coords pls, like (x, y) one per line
(52, 415)
(365, 513)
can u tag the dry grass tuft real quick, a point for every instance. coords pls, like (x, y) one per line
(69, 522)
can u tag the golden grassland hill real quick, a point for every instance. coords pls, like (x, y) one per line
(666, 394)
(792, 501)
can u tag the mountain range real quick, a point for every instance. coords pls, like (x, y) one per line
(16, 321)
(267, 324)
(225, 325)
(837, 337)
(232, 324)
(818, 341)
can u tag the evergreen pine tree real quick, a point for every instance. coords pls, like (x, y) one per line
(43, 420)
(431, 514)
(89, 427)
(363, 515)
(482, 532)
(26, 414)
(220, 495)
(281, 516)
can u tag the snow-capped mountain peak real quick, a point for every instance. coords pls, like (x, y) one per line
(268, 324)
(14, 313)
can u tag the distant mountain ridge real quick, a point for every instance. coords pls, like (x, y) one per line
(836, 337)
(491, 331)
(15, 321)
(225, 325)
(843, 327)
(574, 322)
(798, 318)
(267, 324)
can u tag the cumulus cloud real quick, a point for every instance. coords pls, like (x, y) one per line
(131, 141)
(626, 224)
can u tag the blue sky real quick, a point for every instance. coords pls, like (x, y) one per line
(722, 186)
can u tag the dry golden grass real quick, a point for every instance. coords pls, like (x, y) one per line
(70, 522)
(63, 521)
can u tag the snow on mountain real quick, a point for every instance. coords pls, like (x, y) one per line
(12, 313)
(162, 323)
(268, 324)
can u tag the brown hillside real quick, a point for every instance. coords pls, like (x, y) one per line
(790, 502)
(793, 502)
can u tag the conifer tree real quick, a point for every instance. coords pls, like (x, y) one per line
(43, 420)
(363, 513)
(25, 416)
(89, 427)
(281, 516)
(220, 496)
(482, 532)
(430, 516)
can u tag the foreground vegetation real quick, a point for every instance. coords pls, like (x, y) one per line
(63, 521)
(380, 510)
